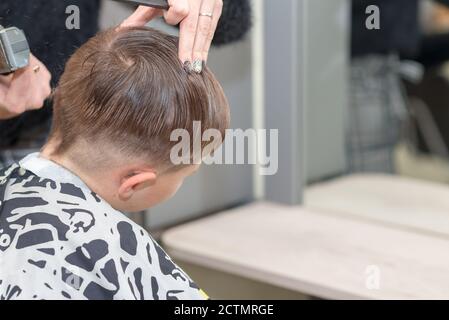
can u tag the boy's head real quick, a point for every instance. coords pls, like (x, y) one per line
(120, 98)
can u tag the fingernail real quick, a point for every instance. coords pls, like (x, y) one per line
(188, 66)
(197, 66)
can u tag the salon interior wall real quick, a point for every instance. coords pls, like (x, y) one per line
(214, 187)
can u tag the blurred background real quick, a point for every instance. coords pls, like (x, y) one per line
(359, 208)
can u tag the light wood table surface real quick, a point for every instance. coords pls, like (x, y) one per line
(316, 253)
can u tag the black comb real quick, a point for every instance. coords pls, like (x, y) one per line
(159, 4)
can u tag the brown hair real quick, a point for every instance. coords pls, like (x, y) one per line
(127, 89)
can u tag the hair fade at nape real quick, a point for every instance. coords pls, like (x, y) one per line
(129, 88)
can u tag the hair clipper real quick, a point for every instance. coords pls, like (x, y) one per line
(14, 50)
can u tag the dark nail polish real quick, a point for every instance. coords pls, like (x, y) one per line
(188, 66)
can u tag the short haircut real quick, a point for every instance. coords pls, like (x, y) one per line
(126, 89)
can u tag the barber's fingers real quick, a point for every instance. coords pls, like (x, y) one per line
(34, 81)
(188, 29)
(178, 11)
(141, 17)
(202, 34)
(6, 79)
(16, 103)
(218, 10)
(39, 77)
(38, 100)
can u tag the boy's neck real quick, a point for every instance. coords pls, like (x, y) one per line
(92, 180)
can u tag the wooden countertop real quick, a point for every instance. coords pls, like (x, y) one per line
(316, 253)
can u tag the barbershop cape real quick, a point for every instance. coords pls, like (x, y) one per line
(60, 240)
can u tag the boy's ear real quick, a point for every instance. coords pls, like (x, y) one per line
(135, 182)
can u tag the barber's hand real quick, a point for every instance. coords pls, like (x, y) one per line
(26, 89)
(198, 21)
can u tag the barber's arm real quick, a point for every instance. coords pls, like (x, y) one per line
(198, 20)
(25, 89)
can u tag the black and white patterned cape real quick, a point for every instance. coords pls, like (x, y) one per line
(59, 240)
